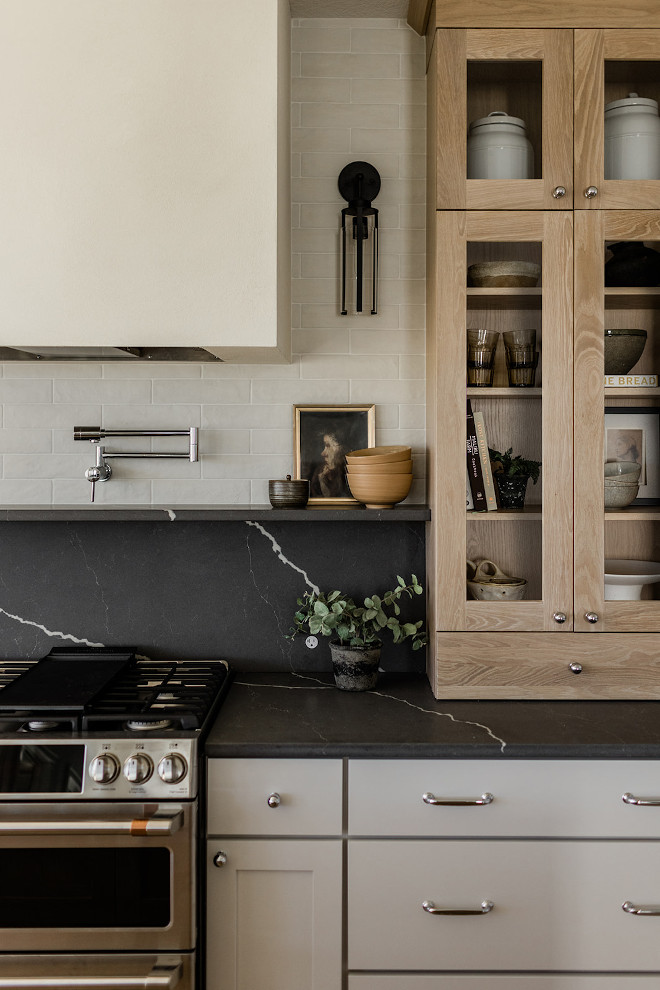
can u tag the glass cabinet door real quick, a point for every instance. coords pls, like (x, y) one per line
(617, 131)
(533, 543)
(484, 85)
(617, 416)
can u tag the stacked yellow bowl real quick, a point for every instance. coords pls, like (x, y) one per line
(380, 476)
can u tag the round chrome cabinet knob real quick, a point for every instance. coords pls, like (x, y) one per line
(559, 192)
(559, 617)
(274, 800)
(172, 768)
(575, 668)
(104, 768)
(591, 617)
(138, 768)
(591, 192)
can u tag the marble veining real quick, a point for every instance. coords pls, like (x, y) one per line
(56, 634)
(277, 549)
(321, 686)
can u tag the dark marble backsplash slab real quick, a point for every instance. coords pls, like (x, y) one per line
(196, 590)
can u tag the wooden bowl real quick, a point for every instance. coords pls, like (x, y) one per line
(493, 274)
(365, 467)
(380, 492)
(379, 454)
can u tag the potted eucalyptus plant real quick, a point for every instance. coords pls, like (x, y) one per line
(511, 475)
(356, 631)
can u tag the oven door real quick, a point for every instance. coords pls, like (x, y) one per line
(97, 877)
(121, 972)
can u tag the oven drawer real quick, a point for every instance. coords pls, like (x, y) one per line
(122, 972)
(274, 797)
(569, 798)
(96, 877)
(503, 905)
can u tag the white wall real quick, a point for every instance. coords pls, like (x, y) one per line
(358, 93)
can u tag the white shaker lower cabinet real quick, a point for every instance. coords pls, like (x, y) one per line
(274, 915)
(469, 874)
(460, 875)
(274, 894)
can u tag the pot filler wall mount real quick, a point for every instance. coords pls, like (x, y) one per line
(101, 471)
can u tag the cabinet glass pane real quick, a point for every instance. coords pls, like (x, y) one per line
(632, 415)
(512, 416)
(514, 88)
(632, 128)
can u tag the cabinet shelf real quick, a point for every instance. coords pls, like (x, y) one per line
(529, 512)
(513, 393)
(638, 513)
(504, 298)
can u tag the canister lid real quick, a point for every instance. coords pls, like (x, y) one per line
(633, 100)
(498, 117)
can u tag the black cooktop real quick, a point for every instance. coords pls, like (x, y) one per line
(105, 689)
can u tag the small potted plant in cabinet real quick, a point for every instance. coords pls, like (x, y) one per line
(511, 474)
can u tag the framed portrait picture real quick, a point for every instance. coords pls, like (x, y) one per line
(632, 433)
(322, 436)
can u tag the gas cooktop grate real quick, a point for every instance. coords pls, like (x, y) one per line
(186, 693)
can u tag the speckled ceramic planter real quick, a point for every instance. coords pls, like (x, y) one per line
(512, 491)
(355, 667)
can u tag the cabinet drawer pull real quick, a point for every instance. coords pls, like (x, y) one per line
(629, 798)
(630, 908)
(484, 908)
(430, 798)
(274, 800)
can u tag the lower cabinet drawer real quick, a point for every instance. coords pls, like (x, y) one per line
(556, 905)
(522, 981)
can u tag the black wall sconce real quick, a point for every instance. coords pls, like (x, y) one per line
(359, 183)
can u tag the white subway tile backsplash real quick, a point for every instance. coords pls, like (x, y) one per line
(26, 441)
(350, 66)
(24, 492)
(227, 392)
(349, 115)
(26, 390)
(311, 38)
(122, 392)
(351, 366)
(358, 93)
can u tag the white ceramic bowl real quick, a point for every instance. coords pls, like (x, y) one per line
(624, 579)
(619, 495)
(622, 472)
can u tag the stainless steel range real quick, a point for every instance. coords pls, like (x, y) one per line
(99, 804)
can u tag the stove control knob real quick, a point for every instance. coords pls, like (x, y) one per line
(172, 768)
(104, 768)
(138, 768)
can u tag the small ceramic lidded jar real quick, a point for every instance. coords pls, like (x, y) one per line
(498, 148)
(632, 139)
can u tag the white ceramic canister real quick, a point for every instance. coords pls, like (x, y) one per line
(632, 139)
(498, 148)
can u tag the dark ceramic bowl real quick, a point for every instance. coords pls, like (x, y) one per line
(623, 349)
(289, 494)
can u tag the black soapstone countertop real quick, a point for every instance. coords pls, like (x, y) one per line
(305, 716)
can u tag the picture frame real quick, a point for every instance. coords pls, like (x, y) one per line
(322, 435)
(633, 433)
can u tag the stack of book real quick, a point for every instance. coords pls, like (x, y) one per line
(480, 490)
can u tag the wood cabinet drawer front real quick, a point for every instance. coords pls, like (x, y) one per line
(557, 905)
(529, 798)
(523, 981)
(309, 793)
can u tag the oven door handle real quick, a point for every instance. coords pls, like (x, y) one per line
(160, 978)
(161, 825)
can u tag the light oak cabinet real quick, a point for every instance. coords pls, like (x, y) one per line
(565, 639)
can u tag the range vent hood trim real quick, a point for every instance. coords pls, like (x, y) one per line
(81, 353)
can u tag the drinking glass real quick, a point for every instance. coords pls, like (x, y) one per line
(521, 357)
(481, 346)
